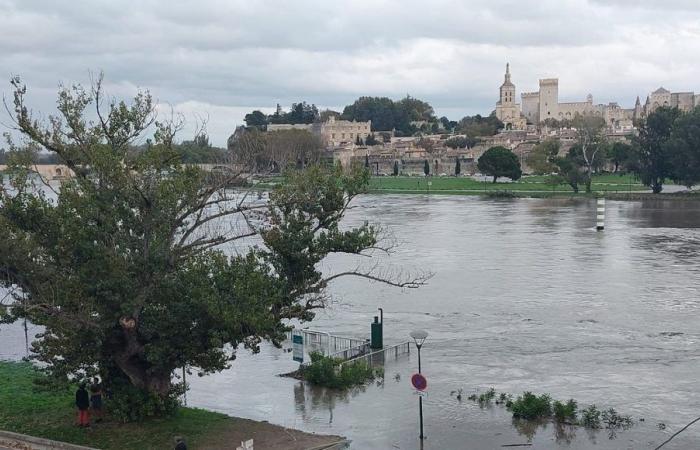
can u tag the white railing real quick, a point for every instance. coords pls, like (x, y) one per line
(327, 343)
(379, 357)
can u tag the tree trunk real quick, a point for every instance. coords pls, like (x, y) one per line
(495, 177)
(589, 178)
(131, 361)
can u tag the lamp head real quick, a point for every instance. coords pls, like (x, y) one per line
(419, 336)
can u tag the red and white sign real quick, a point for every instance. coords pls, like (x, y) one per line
(419, 382)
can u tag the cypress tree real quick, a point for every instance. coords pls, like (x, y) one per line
(426, 168)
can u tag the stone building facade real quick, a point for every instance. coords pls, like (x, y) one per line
(507, 111)
(536, 107)
(332, 132)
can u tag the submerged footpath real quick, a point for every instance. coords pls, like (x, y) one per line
(51, 415)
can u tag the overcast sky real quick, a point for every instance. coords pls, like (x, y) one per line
(222, 58)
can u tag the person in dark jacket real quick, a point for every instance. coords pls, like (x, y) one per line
(96, 399)
(180, 443)
(82, 402)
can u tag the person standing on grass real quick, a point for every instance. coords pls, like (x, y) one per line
(82, 402)
(180, 443)
(96, 399)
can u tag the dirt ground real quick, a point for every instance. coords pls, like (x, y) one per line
(266, 437)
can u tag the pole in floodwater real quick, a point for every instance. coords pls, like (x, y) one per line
(600, 215)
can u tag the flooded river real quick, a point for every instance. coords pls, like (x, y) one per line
(526, 296)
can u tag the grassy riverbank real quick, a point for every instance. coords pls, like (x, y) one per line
(51, 415)
(527, 185)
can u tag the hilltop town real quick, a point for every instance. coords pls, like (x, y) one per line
(517, 126)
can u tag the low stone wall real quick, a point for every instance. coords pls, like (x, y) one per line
(16, 441)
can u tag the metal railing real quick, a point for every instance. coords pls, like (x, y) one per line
(327, 343)
(378, 358)
(348, 353)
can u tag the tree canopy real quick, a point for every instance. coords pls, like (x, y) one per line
(388, 115)
(653, 151)
(500, 162)
(475, 126)
(541, 158)
(461, 142)
(124, 266)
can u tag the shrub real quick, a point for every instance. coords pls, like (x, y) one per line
(530, 406)
(590, 417)
(613, 420)
(323, 371)
(565, 412)
(486, 397)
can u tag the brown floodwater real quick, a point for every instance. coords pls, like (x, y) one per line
(526, 296)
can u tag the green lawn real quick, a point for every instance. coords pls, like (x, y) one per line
(52, 416)
(606, 182)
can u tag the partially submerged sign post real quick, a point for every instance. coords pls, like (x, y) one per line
(297, 346)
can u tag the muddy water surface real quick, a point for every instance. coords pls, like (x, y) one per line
(526, 296)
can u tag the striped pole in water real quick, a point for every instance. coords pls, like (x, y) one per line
(600, 215)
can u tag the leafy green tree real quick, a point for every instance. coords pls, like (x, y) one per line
(590, 138)
(458, 166)
(500, 162)
(380, 110)
(477, 125)
(396, 168)
(302, 113)
(426, 168)
(462, 142)
(387, 115)
(542, 155)
(569, 171)
(683, 149)
(256, 119)
(620, 154)
(124, 269)
(199, 150)
(653, 159)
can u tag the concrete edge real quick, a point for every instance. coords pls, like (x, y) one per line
(9, 438)
(339, 445)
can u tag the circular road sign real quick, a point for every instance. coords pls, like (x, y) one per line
(419, 382)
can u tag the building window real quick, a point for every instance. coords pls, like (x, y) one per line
(333, 135)
(342, 136)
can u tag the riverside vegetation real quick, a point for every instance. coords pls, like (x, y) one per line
(327, 371)
(540, 408)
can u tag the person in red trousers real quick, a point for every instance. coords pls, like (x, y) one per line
(82, 402)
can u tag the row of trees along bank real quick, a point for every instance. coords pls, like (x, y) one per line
(667, 147)
(405, 117)
(124, 267)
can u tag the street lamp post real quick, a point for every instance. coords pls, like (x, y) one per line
(419, 337)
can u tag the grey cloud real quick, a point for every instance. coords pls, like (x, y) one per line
(234, 55)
